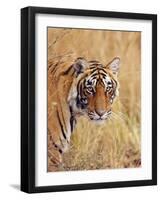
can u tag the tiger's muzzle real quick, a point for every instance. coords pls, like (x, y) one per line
(99, 115)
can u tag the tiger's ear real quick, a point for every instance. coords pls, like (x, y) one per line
(114, 65)
(80, 65)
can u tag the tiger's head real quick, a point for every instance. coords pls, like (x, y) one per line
(94, 88)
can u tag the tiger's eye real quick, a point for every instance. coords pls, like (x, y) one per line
(109, 83)
(90, 88)
(107, 89)
(89, 82)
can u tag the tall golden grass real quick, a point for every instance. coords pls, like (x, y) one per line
(117, 142)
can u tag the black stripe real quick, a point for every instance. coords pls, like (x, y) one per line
(92, 67)
(94, 75)
(94, 61)
(103, 70)
(99, 70)
(115, 82)
(80, 89)
(57, 147)
(71, 119)
(61, 126)
(94, 70)
(96, 64)
(79, 84)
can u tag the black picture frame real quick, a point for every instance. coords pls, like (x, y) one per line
(28, 98)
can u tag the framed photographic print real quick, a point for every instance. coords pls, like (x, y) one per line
(88, 99)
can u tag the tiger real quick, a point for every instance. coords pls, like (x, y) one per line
(86, 88)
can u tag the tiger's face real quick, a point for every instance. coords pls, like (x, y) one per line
(95, 88)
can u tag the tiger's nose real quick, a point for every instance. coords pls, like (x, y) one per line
(100, 112)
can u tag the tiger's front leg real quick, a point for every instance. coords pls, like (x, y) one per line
(58, 143)
(55, 155)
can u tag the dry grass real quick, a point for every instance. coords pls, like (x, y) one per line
(116, 143)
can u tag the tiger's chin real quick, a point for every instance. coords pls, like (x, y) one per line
(98, 120)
